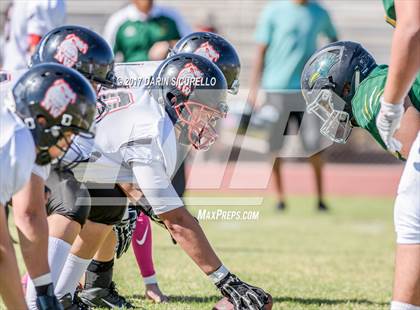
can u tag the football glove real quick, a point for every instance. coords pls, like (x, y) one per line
(242, 295)
(387, 122)
(124, 231)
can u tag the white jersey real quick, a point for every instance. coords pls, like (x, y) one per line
(17, 154)
(135, 74)
(135, 143)
(135, 129)
(31, 17)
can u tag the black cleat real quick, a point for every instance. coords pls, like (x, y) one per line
(322, 207)
(281, 206)
(70, 303)
(104, 297)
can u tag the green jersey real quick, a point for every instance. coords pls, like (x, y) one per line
(133, 33)
(366, 101)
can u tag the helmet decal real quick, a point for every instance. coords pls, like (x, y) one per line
(68, 50)
(187, 78)
(208, 51)
(57, 97)
(322, 67)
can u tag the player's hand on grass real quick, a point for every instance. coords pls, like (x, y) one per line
(242, 295)
(387, 122)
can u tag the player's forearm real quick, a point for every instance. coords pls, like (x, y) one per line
(185, 229)
(404, 65)
(258, 68)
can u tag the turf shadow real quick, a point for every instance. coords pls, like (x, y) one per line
(326, 301)
(187, 299)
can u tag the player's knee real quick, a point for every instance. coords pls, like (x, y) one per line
(407, 219)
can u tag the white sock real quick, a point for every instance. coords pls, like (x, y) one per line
(73, 270)
(31, 295)
(58, 250)
(396, 305)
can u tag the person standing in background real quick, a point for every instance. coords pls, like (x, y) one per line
(286, 35)
(144, 31)
(29, 21)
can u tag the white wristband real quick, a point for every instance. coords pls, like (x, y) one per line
(219, 274)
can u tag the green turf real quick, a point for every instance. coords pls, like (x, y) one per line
(306, 260)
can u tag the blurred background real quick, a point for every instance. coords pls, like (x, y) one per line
(342, 260)
(236, 20)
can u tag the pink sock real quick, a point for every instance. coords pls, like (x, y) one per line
(142, 246)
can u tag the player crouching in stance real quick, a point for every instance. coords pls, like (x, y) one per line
(88, 53)
(219, 51)
(343, 86)
(52, 103)
(181, 108)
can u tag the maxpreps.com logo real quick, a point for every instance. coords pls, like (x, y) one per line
(68, 50)
(58, 97)
(208, 51)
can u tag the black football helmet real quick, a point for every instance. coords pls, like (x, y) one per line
(193, 91)
(78, 48)
(329, 82)
(52, 99)
(215, 48)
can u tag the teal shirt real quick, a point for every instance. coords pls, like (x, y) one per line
(290, 32)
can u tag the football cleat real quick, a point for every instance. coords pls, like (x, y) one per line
(104, 297)
(75, 303)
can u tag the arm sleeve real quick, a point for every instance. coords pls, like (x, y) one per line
(263, 32)
(156, 187)
(329, 30)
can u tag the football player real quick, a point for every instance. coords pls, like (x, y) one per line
(52, 104)
(403, 78)
(143, 152)
(344, 87)
(85, 51)
(99, 273)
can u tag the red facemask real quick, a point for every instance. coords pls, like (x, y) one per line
(201, 121)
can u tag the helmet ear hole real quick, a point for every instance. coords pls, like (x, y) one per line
(41, 120)
(171, 98)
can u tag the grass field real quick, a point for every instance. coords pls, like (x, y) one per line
(306, 260)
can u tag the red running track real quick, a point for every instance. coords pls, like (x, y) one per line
(339, 179)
